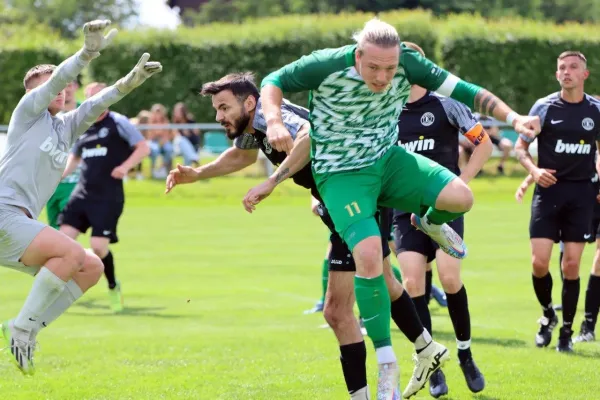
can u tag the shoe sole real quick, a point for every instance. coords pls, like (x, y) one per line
(451, 251)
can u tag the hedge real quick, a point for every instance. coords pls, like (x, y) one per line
(192, 57)
(514, 58)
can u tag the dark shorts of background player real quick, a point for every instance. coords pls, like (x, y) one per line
(101, 216)
(495, 141)
(563, 212)
(340, 257)
(595, 230)
(408, 238)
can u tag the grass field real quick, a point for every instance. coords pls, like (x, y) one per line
(215, 297)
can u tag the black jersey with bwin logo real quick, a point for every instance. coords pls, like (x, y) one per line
(102, 148)
(567, 141)
(430, 126)
(294, 118)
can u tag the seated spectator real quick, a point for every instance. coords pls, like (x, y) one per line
(181, 115)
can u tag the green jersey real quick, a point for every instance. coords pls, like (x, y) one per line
(352, 127)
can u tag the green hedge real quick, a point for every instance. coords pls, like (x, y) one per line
(22, 47)
(514, 58)
(195, 56)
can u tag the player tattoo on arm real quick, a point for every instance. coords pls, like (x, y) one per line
(281, 175)
(486, 102)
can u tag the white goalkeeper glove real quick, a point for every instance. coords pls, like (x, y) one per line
(94, 40)
(138, 75)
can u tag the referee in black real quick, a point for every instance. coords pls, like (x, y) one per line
(563, 201)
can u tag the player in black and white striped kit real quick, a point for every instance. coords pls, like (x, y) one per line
(430, 125)
(563, 202)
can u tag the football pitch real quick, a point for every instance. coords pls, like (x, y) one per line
(215, 297)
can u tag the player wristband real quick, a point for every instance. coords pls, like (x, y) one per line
(511, 117)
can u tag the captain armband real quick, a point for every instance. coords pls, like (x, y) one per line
(477, 134)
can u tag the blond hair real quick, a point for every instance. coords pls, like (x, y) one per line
(91, 88)
(36, 72)
(378, 33)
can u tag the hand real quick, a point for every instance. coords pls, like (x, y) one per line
(314, 206)
(520, 193)
(544, 177)
(257, 194)
(180, 175)
(527, 125)
(138, 75)
(598, 198)
(279, 137)
(119, 172)
(94, 40)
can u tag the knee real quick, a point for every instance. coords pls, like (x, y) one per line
(540, 266)
(99, 250)
(464, 197)
(450, 282)
(74, 258)
(369, 257)
(93, 266)
(570, 268)
(337, 315)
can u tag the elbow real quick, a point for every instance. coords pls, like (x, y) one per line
(144, 148)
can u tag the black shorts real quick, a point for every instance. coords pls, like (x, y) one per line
(563, 212)
(595, 230)
(408, 238)
(101, 216)
(495, 141)
(340, 256)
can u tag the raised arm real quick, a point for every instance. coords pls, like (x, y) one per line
(425, 73)
(80, 119)
(307, 73)
(36, 101)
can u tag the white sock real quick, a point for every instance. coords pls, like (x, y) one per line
(385, 355)
(361, 394)
(46, 288)
(69, 296)
(423, 340)
(463, 345)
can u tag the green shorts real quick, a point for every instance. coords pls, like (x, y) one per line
(58, 201)
(400, 180)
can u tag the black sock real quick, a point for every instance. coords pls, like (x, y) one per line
(109, 270)
(543, 291)
(570, 295)
(428, 283)
(562, 276)
(406, 318)
(423, 312)
(354, 365)
(592, 302)
(458, 308)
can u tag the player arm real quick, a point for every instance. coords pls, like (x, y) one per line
(482, 152)
(298, 158)
(36, 101)
(231, 160)
(72, 162)
(425, 73)
(523, 155)
(134, 138)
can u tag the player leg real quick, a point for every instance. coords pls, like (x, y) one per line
(592, 296)
(458, 308)
(324, 280)
(413, 183)
(339, 314)
(561, 245)
(54, 259)
(544, 232)
(104, 217)
(414, 252)
(350, 198)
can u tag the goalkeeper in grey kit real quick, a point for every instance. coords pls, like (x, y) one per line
(31, 167)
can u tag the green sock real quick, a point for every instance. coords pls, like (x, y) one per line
(397, 273)
(325, 278)
(374, 305)
(439, 217)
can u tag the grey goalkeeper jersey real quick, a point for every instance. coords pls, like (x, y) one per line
(38, 143)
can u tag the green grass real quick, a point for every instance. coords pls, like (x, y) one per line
(215, 296)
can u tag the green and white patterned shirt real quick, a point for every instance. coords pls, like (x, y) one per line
(352, 127)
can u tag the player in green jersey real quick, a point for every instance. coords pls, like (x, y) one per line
(357, 93)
